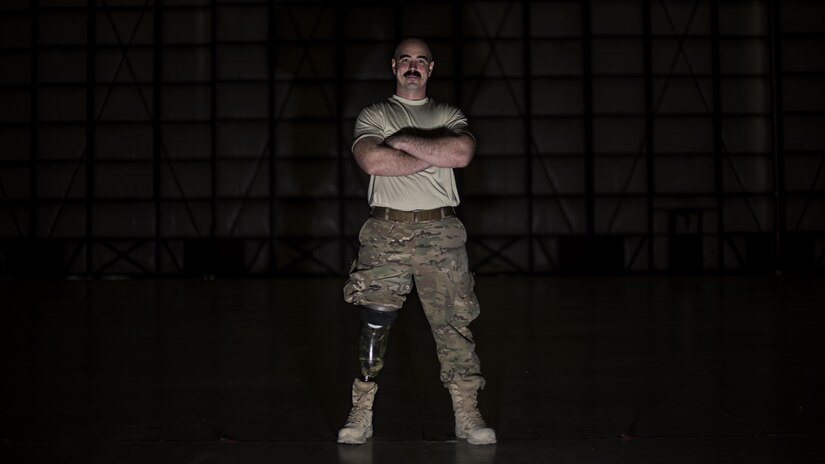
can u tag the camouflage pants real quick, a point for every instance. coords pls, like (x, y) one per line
(432, 254)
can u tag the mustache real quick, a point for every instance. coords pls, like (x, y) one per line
(412, 72)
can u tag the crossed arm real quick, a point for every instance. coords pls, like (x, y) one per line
(404, 154)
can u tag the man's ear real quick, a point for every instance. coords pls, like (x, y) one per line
(392, 64)
(432, 65)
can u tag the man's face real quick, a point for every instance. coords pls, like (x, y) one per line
(412, 66)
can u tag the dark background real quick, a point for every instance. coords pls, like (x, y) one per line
(192, 137)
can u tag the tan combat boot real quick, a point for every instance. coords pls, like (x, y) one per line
(359, 423)
(468, 421)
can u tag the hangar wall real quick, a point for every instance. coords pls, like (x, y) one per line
(206, 137)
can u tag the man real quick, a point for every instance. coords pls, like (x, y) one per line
(409, 145)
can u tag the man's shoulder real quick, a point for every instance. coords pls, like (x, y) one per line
(447, 111)
(441, 104)
(377, 107)
(444, 107)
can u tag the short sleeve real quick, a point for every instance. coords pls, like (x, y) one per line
(368, 123)
(457, 122)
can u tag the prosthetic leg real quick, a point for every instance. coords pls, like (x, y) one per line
(372, 345)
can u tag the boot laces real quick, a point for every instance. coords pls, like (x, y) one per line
(468, 415)
(359, 413)
(357, 416)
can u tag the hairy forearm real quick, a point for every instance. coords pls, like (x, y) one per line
(380, 160)
(447, 151)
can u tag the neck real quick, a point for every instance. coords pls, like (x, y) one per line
(411, 94)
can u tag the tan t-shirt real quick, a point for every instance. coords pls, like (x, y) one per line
(431, 188)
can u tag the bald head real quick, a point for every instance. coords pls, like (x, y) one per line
(413, 41)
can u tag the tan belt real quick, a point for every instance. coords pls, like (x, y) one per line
(419, 215)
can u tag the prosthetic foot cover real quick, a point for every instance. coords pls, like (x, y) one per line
(359, 423)
(468, 421)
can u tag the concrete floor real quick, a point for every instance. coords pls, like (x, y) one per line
(597, 369)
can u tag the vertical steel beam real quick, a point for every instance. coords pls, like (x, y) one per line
(340, 63)
(587, 101)
(777, 123)
(34, 70)
(718, 153)
(157, 124)
(458, 59)
(458, 54)
(271, 122)
(91, 39)
(458, 67)
(398, 18)
(649, 120)
(213, 115)
(528, 130)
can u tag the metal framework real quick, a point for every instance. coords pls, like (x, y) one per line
(604, 126)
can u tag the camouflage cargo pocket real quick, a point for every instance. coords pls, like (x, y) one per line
(464, 307)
